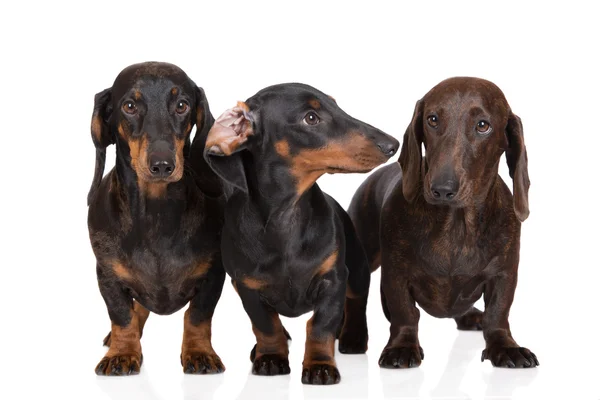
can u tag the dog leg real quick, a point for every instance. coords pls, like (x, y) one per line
(500, 347)
(470, 321)
(270, 354)
(319, 366)
(354, 334)
(124, 357)
(403, 349)
(142, 313)
(197, 353)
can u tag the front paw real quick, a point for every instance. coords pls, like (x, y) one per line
(471, 321)
(510, 357)
(120, 364)
(320, 374)
(271, 364)
(201, 363)
(401, 357)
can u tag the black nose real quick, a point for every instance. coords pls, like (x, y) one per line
(444, 191)
(388, 148)
(161, 166)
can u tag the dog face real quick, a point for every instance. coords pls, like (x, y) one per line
(465, 124)
(301, 126)
(149, 113)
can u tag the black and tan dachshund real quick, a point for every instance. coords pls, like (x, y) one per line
(444, 226)
(289, 247)
(155, 219)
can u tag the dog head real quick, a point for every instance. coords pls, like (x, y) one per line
(465, 124)
(148, 113)
(299, 126)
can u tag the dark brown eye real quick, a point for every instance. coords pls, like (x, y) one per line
(181, 107)
(483, 127)
(129, 107)
(311, 118)
(432, 120)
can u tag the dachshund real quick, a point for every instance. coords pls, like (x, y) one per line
(444, 226)
(288, 247)
(155, 219)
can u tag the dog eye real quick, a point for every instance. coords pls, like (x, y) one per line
(311, 118)
(181, 107)
(483, 127)
(129, 107)
(432, 120)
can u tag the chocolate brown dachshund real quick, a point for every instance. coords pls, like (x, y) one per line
(444, 226)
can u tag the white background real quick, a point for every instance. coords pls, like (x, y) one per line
(377, 60)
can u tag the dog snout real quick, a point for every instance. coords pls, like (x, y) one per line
(444, 190)
(161, 160)
(388, 148)
(387, 144)
(161, 166)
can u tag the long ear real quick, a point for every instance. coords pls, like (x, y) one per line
(203, 117)
(101, 136)
(227, 137)
(516, 158)
(410, 155)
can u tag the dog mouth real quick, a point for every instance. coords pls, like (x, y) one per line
(456, 202)
(341, 170)
(450, 203)
(356, 163)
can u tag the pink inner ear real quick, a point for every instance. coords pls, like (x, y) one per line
(230, 130)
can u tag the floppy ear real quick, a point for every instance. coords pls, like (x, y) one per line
(101, 136)
(227, 137)
(516, 158)
(203, 117)
(410, 155)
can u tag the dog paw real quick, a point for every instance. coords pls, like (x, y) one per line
(201, 363)
(351, 342)
(119, 365)
(271, 364)
(320, 374)
(401, 357)
(510, 357)
(471, 321)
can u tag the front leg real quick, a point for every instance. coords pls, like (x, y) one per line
(500, 347)
(124, 356)
(403, 349)
(270, 354)
(197, 353)
(142, 314)
(319, 366)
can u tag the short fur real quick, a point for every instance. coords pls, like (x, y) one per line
(156, 237)
(289, 247)
(444, 227)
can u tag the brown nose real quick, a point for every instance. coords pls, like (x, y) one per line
(444, 191)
